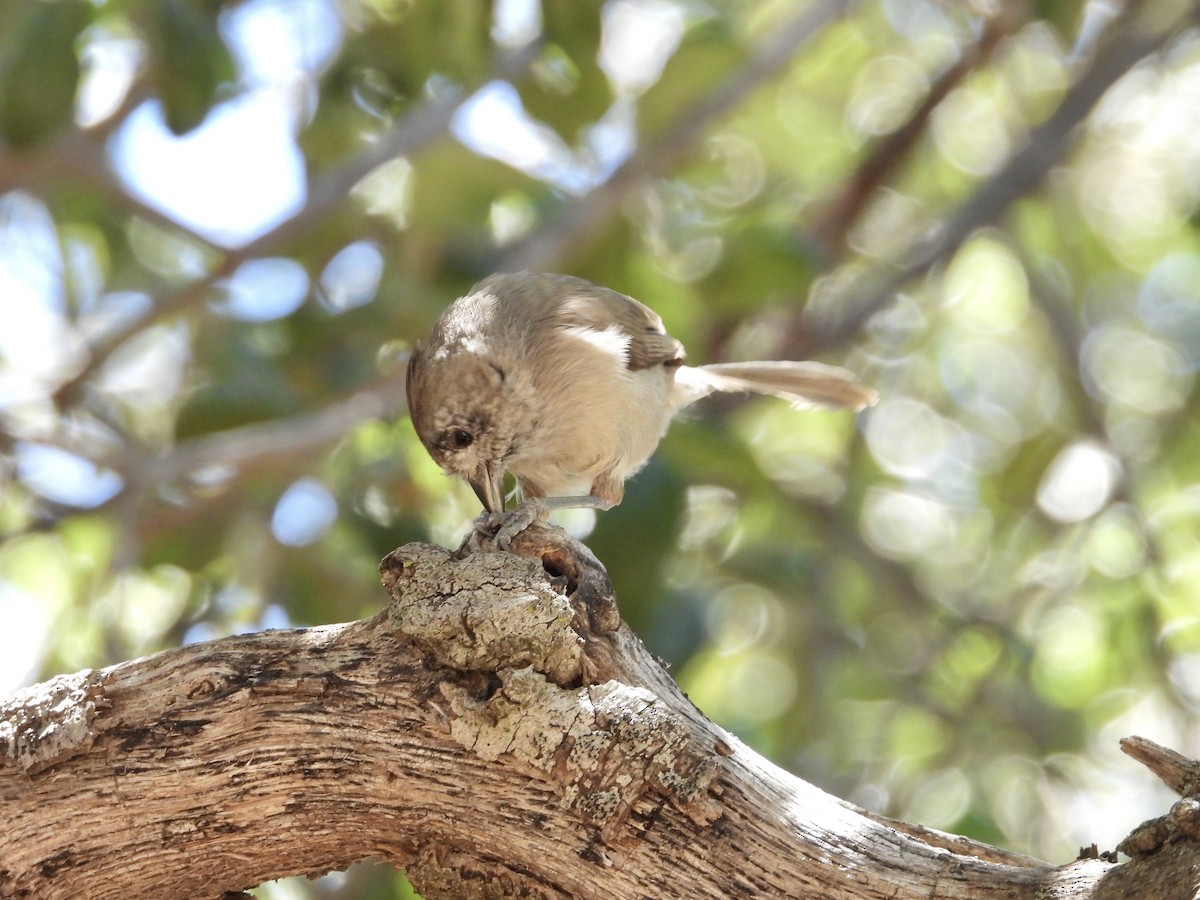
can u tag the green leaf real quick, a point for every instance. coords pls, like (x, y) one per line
(454, 189)
(405, 47)
(387, 65)
(705, 58)
(567, 89)
(39, 69)
(190, 61)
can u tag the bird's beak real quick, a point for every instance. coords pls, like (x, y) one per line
(488, 485)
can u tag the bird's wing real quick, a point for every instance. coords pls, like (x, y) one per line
(593, 307)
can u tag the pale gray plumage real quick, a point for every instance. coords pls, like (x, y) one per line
(570, 387)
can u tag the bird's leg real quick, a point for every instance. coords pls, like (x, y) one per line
(509, 524)
(502, 526)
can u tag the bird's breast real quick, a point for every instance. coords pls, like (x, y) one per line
(590, 416)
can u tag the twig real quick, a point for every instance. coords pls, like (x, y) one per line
(1176, 771)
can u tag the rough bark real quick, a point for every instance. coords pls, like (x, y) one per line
(497, 731)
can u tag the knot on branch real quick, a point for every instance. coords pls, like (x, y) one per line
(541, 605)
(488, 612)
(536, 670)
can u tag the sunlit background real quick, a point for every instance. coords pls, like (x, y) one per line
(222, 225)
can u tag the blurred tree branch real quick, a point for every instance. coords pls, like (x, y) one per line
(837, 318)
(237, 454)
(255, 446)
(412, 133)
(79, 156)
(203, 769)
(831, 225)
(575, 220)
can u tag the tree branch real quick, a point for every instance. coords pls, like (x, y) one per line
(838, 318)
(496, 729)
(237, 452)
(577, 219)
(841, 210)
(414, 132)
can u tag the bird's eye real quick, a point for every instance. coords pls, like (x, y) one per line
(461, 438)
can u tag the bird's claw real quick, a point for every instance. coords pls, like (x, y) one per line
(518, 519)
(499, 528)
(487, 524)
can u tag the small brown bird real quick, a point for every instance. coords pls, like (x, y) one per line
(570, 387)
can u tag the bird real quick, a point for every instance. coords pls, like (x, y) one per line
(569, 387)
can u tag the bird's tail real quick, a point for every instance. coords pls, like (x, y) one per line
(803, 384)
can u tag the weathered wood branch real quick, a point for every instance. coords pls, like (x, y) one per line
(496, 730)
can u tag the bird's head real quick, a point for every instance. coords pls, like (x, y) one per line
(458, 399)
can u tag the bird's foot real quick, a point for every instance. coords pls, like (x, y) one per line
(517, 519)
(499, 528)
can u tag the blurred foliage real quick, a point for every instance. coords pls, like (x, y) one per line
(947, 610)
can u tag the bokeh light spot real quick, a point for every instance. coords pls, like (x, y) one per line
(1131, 367)
(1078, 483)
(907, 437)
(303, 513)
(903, 525)
(265, 289)
(352, 277)
(987, 288)
(64, 477)
(1068, 664)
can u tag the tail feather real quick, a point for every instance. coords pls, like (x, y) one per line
(803, 384)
